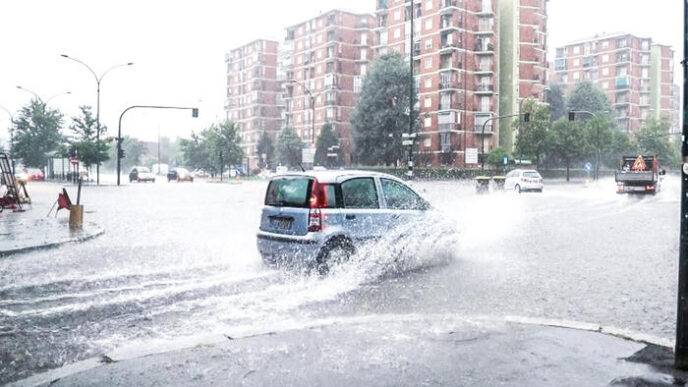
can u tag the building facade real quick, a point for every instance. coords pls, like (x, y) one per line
(455, 56)
(522, 59)
(636, 75)
(254, 101)
(325, 59)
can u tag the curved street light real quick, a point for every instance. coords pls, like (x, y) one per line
(39, 98)
(98, 79)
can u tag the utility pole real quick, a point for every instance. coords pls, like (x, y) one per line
(410, 133)
(681, 349)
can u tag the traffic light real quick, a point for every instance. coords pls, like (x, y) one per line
(120, 153)
(572, 116)
(194, 112)
(526, 117)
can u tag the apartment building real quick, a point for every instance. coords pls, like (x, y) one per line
(455, 57)
(254, 99)
(636, 74)
(325, 59)
(522, 59)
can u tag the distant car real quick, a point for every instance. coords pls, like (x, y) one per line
(319, 218)
(183, 174)
(35, 174)
(141, 174)
(22, 176)
(521, 180)
(201, 173)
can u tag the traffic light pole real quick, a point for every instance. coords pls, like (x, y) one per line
(681, 349)
(120, 152)
(526, 118)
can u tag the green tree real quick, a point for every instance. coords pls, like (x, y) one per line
(653, 139)
(566, 142)
(598, 138)
(496, 157)
(326, 139)
(289, 148)
(619, 145)
(588, 97)
(381, 113)
(266, 147)
(531, 138)
(195, 151)
(37, 133)
(557, 101)
(225, 144)
(90, 150)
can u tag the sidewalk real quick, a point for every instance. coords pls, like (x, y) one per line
(385, 350)
(25, 231)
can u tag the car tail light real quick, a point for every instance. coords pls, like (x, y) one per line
(649, 188)
(317, 201)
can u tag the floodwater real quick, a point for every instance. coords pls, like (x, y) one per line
(179, 260)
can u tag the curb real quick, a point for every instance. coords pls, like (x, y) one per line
(21, 250)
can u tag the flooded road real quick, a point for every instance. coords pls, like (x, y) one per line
(179, 260)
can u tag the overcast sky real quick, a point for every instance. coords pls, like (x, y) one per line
(178, 48)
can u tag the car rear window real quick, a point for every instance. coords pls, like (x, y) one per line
(532, 175)
(288, 192)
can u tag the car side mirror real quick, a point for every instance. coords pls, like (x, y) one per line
(662, 172)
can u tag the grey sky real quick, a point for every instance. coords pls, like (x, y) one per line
(179, 46)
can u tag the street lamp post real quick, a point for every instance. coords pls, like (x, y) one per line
(39, 98)
(120, 152)
(98, 79)
(526, 118)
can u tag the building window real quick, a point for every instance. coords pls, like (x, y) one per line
(605, 71)
(428, 44)
(605, 58)
(428, 5)
(605, 44)
(357, 84)
(605, 85)
(428, 63)
(428, 24)
(397, 33)
(576, 75)
(427, 122)
(576, 50)
(428, 102)
(576, 62)
(427, 83)
(397, 15)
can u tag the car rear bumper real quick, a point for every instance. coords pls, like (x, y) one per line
(531, 186)
(289, 249)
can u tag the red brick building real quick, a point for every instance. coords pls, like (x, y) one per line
(328, 56)
(253, 93)
(636, 75)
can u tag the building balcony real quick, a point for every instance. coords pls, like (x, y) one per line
(484, 48)
(484, 88)
(446, 48)
(447, 127)
(484, 70)
(449, 4)
(622, 82)
(449, 85)
(485, 29)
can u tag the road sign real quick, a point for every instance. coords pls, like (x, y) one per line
(407, 143)
(307, 155)
(506, 160)
(471, 156)
(588, 167)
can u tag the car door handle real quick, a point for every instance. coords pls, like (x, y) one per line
(350, 216)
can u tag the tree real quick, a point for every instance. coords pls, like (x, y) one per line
(37, 133)
(326, 139)
(588, 97)
(653, 139)
(566, 142)
(381, 114)
(598, 138)
(84, 128)
(557, 101)
(265, 147)
(289, 148)
(496, 157)
(619, 145)
(531, 140)
(225, 144)
(195, 151)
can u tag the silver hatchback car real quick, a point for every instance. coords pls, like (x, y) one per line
(318, 218)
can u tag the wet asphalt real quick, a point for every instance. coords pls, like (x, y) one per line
(179, 260)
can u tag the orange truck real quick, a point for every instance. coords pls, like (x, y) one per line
(638, 174)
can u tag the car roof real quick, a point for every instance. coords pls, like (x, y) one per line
(331, 176)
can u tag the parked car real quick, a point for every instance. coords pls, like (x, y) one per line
(319, 218)
(35, 174)
(521, 180)
(141, 174)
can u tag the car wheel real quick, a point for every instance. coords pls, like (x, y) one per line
(336, 253)
(517, 188)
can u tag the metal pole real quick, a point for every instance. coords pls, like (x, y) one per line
(119, 129)
(482, 162)
(681, 349)
(412, 80)
(98, 132)
(312, 118)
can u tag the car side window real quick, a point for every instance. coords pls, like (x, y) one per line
(359, 193)
(400, 197)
